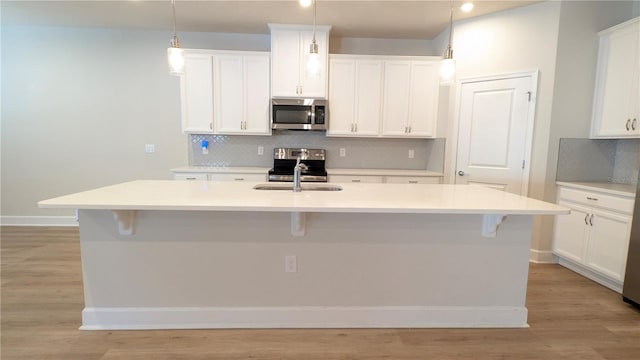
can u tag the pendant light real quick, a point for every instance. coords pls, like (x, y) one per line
(313, 59)
(448, 65)
(175, 54)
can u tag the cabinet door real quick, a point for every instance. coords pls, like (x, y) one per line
(190, 176)
(356, 179)
(237, 177)
(196, 94)
(257, 99)
(608, 243)
(615, 99)
(368, 101)
(285, 63)
(395, 106)
(570, 232)
(341, 96)
(229, 95)
(423, 98)
(413, 180)
(313, 85)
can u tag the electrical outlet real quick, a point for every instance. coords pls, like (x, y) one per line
(412, 154)
(260, 150)
(343, 152)
(290, 264)
(150, 148)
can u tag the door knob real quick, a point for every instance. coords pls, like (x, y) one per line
(461, 173)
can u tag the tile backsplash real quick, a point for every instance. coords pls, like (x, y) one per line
(361, 153)
(627, 162)
(606, 160)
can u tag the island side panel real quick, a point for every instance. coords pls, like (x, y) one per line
(227, 269)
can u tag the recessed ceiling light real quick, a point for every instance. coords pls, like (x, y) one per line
(466, 7)
(305, 3)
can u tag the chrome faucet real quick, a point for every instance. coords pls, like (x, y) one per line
(296, 174)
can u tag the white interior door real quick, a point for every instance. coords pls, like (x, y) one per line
(493, 142)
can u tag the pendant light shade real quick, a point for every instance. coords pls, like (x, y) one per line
(313, 59)
(175, 55)
(448, 65)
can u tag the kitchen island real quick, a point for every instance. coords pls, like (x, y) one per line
(201, 254)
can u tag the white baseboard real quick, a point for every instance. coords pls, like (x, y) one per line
(38, 221)
(302, 317)
(592, 275)
(542, 257)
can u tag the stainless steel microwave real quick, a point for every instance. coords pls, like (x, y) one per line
(299, 114)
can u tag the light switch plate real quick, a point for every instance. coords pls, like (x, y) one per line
(150, 148)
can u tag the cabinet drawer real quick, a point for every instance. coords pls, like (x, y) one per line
(412, 180)
(189, 176)
(597, 199)
(355, 179)
(237, 177)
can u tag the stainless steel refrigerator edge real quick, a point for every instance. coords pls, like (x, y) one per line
(631, 287)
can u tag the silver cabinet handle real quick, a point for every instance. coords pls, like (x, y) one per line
(586, 219)
(592, 198)
(211, 126)
(628, 123)
(413, 181)
(591, 220)
(356, 125)
(633, 123)
(461, 173)
(238, 179)
(191, 178)
(409, 129)
(355, 180)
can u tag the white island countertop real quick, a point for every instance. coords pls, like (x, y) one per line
(354, 198)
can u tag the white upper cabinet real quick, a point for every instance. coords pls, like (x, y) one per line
(383, 96)
(289, 52)
(196, 94)
(241, 100)
(355, 96)
(616, 109)
(410, 100)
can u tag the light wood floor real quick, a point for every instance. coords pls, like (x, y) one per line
(570, 318)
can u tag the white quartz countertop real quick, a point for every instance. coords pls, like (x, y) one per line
(261, 170)
(614, 189)
(354, 198)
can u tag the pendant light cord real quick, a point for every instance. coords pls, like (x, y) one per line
(448, 54)
(314, 21)
(174, 40)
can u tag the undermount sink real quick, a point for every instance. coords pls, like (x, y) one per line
(305, 187)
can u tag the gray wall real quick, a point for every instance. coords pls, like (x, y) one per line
(79, 104)
(558, 39)
(576, 62)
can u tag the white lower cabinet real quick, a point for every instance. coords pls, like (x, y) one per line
(237, 177)
(593, 240)
(356, 179)
(412, 179)
(190, 176)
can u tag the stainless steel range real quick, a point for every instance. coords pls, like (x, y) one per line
(284, 162)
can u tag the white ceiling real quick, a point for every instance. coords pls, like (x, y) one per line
(394, 19)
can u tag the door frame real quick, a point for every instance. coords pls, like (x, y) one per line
(455, 122)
